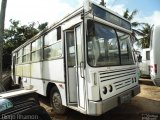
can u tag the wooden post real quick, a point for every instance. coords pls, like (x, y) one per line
(2, 20)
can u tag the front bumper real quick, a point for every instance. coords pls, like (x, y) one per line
(98, 108)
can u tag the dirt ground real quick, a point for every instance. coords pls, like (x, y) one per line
(145, 106)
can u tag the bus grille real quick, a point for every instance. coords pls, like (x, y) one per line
(119, 78)
(122, 83)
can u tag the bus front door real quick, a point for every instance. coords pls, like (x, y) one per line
(71, 79)
(75, 67)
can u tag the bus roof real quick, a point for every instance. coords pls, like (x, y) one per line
(67, 17)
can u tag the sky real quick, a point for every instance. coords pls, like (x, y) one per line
(50, 11)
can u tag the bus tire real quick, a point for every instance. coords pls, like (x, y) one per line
(56, 101)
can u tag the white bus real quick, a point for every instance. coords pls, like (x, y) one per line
(83, 62)
(144, 64)
(155, 55)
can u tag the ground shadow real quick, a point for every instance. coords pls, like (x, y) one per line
(133, 110)
(145, 81)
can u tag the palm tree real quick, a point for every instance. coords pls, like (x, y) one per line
(146, 30)
(130, 16)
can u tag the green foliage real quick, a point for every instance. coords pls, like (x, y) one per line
(16, 35)
(42, 26)
(146, 30)
(129, 16)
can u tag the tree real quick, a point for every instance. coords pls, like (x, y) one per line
(144, 31)
(145, 40)
(15, 36)
(42, 26)
(130, 16)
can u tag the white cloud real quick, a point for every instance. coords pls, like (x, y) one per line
(152, 19)
(80, 2)
(120, 8)
(45, 10)
(36, 10)
(53, 10)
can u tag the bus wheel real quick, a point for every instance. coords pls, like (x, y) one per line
(56, 101)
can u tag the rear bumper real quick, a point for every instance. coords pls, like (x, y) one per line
(98, 108)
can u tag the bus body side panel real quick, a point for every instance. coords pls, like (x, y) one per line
(26, 73)
(52, 71)
(19, 70)
(155, 55)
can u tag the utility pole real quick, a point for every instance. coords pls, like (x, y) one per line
(3, 4)
(103, 3)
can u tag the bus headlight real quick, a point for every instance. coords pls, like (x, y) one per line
(104, 90)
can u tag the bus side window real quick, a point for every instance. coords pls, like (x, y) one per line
(52, 47)
(59, 33)
(147, 55)
(70, 48)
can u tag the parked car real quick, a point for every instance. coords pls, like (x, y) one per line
(21, 104)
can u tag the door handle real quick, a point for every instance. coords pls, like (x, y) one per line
(81, 69)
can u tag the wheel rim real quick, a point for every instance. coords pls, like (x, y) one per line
(57, 101)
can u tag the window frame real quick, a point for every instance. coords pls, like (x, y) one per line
(26, 54)
(19, 57)
(40, 39)
(59, 33)
(56, 41)
(147, 55)
(120, 46)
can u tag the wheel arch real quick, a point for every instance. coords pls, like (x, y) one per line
(49, 87)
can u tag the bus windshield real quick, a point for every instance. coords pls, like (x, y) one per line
(107, 47)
